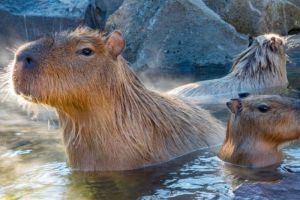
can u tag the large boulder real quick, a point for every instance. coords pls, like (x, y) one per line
(288, 188)
(259, 16)
(174, 34)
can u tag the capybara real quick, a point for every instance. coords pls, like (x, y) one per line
(110, 120)
(258, 125)
(262, 65)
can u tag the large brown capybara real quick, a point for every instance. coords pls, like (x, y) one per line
(110, 120)
(261, 66)
(257, 127)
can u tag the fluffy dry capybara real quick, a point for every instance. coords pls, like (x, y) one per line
(262, 65)
(110, 120)
(258, 125)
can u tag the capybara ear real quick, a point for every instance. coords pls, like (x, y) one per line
(273, 43)
(250, 39)
(115, 43)
(235, 105)
(273, 39)
(244, 95)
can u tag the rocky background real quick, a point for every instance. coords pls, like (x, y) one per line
(171, 35)
(162, 35)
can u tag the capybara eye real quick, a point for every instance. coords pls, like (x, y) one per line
(87, 52)
(244, 95)
(263, 108)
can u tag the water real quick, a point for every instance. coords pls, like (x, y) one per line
(33, 164)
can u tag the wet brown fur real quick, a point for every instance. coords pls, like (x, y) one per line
(253, 137)
(110, 120)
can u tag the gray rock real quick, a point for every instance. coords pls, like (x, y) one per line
(99, 10)
(259, 16)
(288, 188)
(293, 50)
(174, 34)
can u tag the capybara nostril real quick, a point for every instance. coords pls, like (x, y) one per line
(28, 63)
(25, 61)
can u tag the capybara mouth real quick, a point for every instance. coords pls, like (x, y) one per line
(23, 83)
(20, 83)
(24, 91)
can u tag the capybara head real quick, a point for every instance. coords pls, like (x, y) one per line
(57, 69)
(265, 52)
(256, 128)
(270, 117)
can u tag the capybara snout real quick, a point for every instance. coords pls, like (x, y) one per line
(25, 61)
(31, 54)
(28, 64)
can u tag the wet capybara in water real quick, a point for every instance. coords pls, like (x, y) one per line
(258, 125)
(261, 66)
(110, 120)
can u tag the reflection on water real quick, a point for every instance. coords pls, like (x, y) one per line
(33, 166)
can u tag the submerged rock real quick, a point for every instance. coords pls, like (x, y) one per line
(259, 16)
(174, 34)
(288, 188)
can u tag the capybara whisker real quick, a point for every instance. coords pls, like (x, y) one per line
(12, 50)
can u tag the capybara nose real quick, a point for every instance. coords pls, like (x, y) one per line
(28, 62)
(228, 104)
(25, 61)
